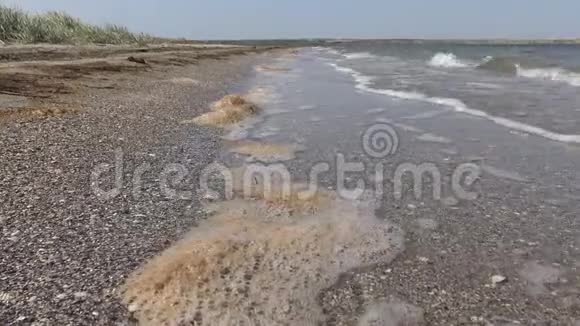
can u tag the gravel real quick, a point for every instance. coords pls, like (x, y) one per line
(65, 251)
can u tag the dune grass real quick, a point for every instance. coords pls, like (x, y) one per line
(18, 26)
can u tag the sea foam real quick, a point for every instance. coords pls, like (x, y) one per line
(359, 55)
(553, 74)
(447, 60)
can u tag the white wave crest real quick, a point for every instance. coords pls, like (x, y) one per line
(447, 60)
(487, 59)
(359, 55)
(363, 83)
(553, 74)
(360, 79)
(327, 50)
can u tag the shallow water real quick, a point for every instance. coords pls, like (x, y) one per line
(534, 85)
(519, 223)
(328, 105)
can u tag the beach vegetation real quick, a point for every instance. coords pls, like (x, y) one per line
(19, 26)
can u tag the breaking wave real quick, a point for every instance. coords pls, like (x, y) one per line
(447, 60)
(359, 55)
(508, 65)
(363, 83)
(327, 50)
(500, 65)
(514, 66)
(553, 74)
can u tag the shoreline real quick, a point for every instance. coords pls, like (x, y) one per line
(65, 251)
(499, 41)
(497, 258)
(69, 251)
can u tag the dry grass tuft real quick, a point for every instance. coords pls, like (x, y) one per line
(229, 110)
(60, 28)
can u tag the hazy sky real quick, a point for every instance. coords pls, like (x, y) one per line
(234, 19)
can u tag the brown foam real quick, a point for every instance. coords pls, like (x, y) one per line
(254, 263)
(229, 110)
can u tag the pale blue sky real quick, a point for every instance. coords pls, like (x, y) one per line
(238, 19)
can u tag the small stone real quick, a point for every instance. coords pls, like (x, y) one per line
(424, 259)
(81, 295)
(6, 297)
(286, 308)
(498, 279)
(61, 296)
(211, 196)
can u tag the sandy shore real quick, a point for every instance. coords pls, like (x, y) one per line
(65, 251)
(71, 255)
